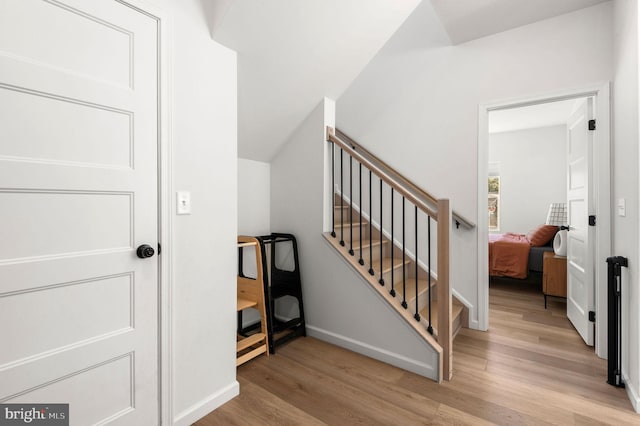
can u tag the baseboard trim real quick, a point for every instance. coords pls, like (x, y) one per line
(475, 325)
(383, 355)
(632, 393)
(207, 405)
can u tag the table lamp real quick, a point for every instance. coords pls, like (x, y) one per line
(557, 216)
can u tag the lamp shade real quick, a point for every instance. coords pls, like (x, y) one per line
(557, 214)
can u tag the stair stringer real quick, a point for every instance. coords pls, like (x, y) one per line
(403, 318)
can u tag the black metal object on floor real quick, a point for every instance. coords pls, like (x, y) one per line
(614, 319)
(283, 283)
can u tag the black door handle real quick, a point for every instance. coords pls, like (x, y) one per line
(145, 251)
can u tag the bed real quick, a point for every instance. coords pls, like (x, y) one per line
(517, 255)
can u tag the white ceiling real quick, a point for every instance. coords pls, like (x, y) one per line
(467, 20)
(292, 53)
(533, 116)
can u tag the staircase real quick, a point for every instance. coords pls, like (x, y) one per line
(396, 237)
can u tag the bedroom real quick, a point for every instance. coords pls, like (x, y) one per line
(527, 174)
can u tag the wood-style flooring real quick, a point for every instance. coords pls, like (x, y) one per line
(530, 368)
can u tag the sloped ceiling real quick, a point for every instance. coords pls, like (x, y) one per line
(292, 53)
(467, 20)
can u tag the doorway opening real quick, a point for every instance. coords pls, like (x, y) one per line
(530, 160)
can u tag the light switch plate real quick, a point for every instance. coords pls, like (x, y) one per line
(183, 200)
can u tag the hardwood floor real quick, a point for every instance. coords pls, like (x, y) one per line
(530, 368)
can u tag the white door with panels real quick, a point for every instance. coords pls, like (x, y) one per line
(580, 238)
(78, 197)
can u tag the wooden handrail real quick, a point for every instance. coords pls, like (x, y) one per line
(379, 166)
(381, 174)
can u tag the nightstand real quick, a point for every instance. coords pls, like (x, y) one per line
(554, 276)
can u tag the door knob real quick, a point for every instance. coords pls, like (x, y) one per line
(145, 251)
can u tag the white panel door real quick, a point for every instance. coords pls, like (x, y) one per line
(580, 267)
(78, 195)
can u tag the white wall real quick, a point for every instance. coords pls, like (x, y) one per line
(254, 195)
(292, 53)
(625, 181)
(338, 304)
(533, 174)
(202, 372)
(416, 105)
(254, 198)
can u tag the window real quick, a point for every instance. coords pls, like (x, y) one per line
(494, 203)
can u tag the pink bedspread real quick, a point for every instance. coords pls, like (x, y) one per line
(508, 255)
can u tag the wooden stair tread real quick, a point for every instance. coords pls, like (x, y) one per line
(386, 264)
(456, 311)
(245, 303)
(411, 286)
(248, 341)
(347, 224)
(366, 243)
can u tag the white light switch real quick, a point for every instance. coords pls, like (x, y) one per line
(622, 207)
(184, 202)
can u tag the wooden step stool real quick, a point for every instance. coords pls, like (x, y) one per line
(251, 295)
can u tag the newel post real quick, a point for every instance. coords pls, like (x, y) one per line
(445, 337)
